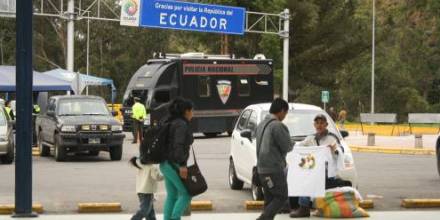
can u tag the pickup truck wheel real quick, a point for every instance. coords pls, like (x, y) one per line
(234, 182)
(257, 193)
(8, 158)
(116, 152)
(44, 150)
(60, 151)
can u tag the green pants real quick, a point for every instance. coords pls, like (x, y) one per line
(178, 198)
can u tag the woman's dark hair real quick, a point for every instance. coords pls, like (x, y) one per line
(278, 105)
(132, 161)
(179, 106)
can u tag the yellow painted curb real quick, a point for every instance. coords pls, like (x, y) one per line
(420, 203)
(35, 152)
(392, 150)
(99, 207)
(9, 209)
(201, 206)
(366, 204)
(253, 205)
(258, 205)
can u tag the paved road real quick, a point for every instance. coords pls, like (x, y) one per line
(59, 186)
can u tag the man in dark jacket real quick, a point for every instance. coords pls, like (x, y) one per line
(273, 144)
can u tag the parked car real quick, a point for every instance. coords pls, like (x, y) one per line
(7, 140)
(243, 158)
(78, 124)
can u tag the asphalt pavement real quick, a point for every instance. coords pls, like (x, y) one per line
(59, 186)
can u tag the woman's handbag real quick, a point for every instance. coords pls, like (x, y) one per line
(195, 182)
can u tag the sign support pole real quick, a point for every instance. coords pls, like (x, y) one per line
(285, 35)
(70, 34)
(24, 75)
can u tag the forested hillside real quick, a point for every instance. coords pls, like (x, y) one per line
(330, 50)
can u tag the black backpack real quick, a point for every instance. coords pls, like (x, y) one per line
(154, 147)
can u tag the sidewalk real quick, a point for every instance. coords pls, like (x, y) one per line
(401, 215)
(392, 142)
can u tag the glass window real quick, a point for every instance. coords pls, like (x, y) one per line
(204, 86)
(300, 122)
(167, 77)
(244, 88)
(252, 124)
(142, 94)
(82, 107)
(162, 96)
(51, 106)
(243, 119)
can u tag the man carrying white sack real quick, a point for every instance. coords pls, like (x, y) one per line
(333, 163)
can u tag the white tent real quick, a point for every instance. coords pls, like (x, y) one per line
(84, 80)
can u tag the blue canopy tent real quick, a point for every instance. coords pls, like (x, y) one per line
(41, 82)
(84, 80)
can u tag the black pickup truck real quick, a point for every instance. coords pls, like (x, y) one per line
(77, 124)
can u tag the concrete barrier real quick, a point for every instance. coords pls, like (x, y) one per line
(9, 209)
(420, 203)
(99, 207)
(418, 142)
(371, 140)
(253, 205)
(366, 204)
(35, 153)
(201, 206)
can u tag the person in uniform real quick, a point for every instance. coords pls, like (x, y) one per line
(138, 116)
(9, 110)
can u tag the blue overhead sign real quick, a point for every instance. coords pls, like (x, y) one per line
(192, 16)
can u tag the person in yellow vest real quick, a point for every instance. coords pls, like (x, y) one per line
(9, 110)
(36, 109)
(139, 115)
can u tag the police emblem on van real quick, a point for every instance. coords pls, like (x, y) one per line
(224, 90)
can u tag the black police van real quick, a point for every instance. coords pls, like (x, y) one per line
(219, 86)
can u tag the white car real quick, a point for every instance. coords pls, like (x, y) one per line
(299, 120)
(7, 148)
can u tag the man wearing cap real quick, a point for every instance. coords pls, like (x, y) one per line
(138, 116)
(322, 137)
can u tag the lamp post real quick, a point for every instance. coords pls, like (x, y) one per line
(373, 56)
(88, 49)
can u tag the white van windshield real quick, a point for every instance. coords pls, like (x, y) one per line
(300, 122)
